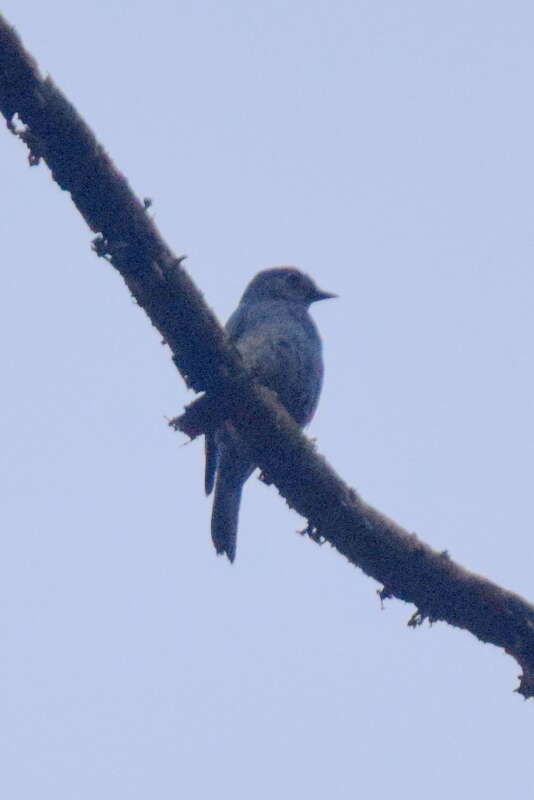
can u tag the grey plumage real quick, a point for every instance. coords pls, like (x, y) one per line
(280, 344)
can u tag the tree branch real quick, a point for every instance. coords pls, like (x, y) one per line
(38, 113)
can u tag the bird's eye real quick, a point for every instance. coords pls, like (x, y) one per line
(293, 280)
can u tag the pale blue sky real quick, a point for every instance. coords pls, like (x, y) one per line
(386, 148)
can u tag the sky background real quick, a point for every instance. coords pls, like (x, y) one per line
(386, 148)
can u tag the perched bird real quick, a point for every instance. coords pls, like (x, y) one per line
(280, 344)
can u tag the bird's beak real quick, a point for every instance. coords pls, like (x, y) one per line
(320, 295)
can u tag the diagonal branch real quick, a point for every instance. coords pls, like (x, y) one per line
(38, 113)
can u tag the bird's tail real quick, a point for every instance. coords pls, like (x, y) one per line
(212, 458)
(225, 514)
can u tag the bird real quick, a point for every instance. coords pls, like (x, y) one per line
(281, 347)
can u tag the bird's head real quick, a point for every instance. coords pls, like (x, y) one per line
(284, 283)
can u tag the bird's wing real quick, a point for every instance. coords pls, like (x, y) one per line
(234, 328)
(284, 354)
(238, 323)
